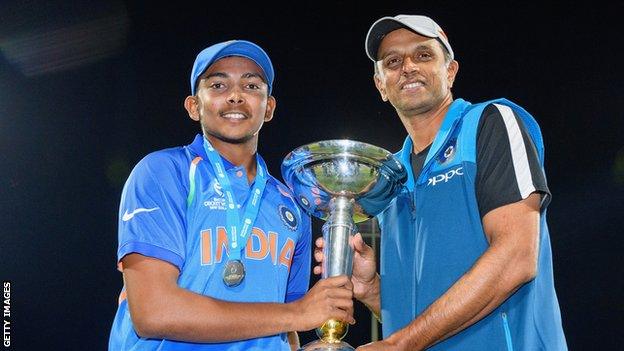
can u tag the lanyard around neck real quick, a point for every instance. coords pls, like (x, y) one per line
(237, 230)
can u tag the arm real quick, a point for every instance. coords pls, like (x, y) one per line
(510, 261)
(161, 309)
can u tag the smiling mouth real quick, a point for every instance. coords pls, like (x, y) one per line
(413, 85)
(234, 116)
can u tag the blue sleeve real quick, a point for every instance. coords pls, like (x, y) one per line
(153, 208)
(299, 276)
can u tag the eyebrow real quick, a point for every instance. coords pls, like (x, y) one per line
(225, 75)
(253, 75)
(417, 48)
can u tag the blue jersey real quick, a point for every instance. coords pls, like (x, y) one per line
(432, 235)
(172, 208)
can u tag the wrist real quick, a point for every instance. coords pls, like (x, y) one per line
(292, 321)
(370, 293)
(397, 341)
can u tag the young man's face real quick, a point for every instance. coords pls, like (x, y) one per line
(412, 72)
(232, 101)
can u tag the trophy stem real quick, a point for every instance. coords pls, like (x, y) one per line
(337, 232)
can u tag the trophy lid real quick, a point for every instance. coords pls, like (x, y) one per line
(368, 175)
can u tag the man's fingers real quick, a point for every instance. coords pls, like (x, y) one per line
(345, 317)
(360, 246)
(319, 242)
(340, 293)
(337, 281)
(318, 255)
(317, 270)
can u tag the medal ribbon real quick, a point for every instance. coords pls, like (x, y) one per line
(237, 238)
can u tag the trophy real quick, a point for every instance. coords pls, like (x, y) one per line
(342, 182)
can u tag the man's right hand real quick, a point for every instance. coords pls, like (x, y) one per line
(364, 277)
(330, 298)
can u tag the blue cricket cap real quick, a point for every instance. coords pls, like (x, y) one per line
(242, 48)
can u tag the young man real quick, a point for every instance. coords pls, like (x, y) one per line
(214, 252)
(465, 251)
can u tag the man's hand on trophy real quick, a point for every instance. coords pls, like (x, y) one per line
(364, 277)
(329, 298)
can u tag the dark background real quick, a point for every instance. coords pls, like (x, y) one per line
(89, 88)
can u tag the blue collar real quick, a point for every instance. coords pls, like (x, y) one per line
(197, 146)
(453, 115)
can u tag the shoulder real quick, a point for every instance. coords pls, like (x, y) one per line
(163, 168)
(502, 114)
(165, 161)
(492, 116)
(498, 106)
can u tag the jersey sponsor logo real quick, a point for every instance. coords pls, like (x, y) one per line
(260, 246)
(129, 215)
(445, 177)
(289, 219)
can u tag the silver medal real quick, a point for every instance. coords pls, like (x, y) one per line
(234, 273)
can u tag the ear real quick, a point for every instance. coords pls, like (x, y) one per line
(270, 109)
(191, 104)
(380, 87)
(451, 72)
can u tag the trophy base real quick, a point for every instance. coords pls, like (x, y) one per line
(320, 345)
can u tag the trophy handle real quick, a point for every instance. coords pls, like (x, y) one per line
(338, 258)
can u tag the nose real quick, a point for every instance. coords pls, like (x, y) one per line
(236, 97)
(409, 66)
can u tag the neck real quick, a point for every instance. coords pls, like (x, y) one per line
(243, 154)
(423, 127)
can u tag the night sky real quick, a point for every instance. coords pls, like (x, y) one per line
(88, 88)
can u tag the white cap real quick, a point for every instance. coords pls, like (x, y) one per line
(422, 25)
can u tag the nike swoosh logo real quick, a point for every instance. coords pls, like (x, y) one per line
(128, 216)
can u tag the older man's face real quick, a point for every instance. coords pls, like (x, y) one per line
(412, 72)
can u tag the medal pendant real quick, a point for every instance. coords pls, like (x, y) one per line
(234, 273)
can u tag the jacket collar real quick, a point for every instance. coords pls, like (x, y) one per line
(453, 115)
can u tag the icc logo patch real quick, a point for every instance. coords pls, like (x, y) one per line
(289, 219)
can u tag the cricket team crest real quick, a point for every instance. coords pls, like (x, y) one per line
(449, 152)
(288, 217)
(304, 201)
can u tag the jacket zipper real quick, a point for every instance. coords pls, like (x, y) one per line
(507, 332)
